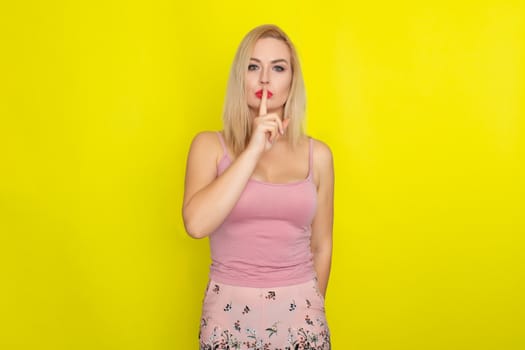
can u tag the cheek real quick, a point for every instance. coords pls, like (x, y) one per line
(284, 90)
(285, 84)
(249, 83)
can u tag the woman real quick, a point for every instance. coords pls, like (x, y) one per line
(262, 191)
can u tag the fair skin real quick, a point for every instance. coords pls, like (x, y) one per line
(268, 157)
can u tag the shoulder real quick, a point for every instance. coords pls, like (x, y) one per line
(206, 143)
(322, 163)
(321, 152)
(207, 138)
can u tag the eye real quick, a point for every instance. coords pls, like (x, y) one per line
(253, 67)
(278, 68)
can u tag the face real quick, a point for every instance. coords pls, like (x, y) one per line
(269, 66)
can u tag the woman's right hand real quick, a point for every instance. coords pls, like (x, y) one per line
(208, 198)
(266, 128)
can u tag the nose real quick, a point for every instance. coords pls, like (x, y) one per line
(264, 77)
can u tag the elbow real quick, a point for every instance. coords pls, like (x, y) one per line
(323, 248)
(322, 253)
(194, 227)
(193, 230)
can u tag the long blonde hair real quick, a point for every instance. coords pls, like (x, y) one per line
(237, 120)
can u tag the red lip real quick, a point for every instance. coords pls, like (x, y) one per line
(260, 92)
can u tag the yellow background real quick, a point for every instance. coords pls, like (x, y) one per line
(422, 104)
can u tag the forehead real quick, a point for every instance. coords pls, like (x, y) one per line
(268, 49)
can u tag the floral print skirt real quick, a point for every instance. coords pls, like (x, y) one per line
(281, 318)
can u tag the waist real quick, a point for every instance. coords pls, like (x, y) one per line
(260, 276)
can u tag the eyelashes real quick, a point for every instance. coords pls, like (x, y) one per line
(254, 67)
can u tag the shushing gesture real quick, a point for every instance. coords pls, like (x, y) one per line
(266, 127)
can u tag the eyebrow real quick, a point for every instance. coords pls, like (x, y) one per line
(274, 61)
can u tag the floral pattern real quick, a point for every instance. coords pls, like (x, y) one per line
(278, 319)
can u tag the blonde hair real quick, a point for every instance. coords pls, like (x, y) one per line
(237, 120)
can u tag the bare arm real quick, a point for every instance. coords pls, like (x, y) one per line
(321, 241)
(209, 198)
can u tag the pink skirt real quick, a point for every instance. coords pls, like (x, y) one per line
(281, 318)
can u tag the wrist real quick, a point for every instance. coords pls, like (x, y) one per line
(252, 152)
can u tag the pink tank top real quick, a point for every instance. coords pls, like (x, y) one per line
(265, 239)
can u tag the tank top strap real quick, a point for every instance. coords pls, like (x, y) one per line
(311, 158)
(223, 144)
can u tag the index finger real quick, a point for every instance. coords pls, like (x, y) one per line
(264, 98)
